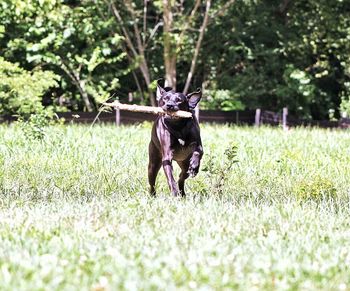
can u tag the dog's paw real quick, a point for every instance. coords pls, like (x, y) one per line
(194, 164)
(192, 172)
(193, 169)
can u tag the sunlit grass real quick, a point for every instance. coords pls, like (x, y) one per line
(75, 213)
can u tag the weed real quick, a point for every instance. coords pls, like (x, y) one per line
(218, 173)
(34, 126)
(316, 189)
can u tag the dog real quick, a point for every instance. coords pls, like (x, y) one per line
(174, 138)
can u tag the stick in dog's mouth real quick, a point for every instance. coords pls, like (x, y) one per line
(149, 109)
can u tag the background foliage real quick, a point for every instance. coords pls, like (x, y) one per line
(267, 54)
(21, 91)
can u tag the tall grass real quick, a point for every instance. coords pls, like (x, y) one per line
(75, 213)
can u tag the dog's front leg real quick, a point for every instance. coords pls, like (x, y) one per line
(167, 158)
(168, 170)
(195, 161)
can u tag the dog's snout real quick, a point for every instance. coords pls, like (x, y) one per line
(171, 106)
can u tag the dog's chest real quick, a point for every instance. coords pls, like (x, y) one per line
(181, 153)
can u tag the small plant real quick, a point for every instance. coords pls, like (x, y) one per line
(316, 189)
(218, 172)
(34, 126)
(345, 107)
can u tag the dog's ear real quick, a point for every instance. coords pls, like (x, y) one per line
(193, 98)
(160, 89)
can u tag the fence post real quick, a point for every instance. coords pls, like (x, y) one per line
(117, 116)
(257, 116)
(284, 118)
(196, 112)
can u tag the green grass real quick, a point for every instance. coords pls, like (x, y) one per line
(75, 213)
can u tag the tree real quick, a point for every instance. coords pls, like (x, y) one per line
(135, 39)
(71, 39)
(180, 22)
(272, 54)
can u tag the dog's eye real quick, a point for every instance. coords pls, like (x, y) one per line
(178, 99)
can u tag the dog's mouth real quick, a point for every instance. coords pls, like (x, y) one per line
(170, 114)
(170, 111)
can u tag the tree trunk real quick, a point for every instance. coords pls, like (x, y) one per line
(169, 48)
(145, 73)
(84, 95)
(170, 72)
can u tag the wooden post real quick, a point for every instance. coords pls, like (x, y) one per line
(237, 117)
(117, 116)
(130, 97)
(257, 117)
(196, 112)
(284, 118)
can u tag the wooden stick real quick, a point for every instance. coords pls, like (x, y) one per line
(148, 109)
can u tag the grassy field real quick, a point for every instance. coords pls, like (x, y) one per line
(269, 211)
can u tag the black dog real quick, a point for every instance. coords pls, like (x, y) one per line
(176, 139)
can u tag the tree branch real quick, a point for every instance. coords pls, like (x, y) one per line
(198, 46)
(74, 75)
(137, 33)
(187, 23)
(153, 32)
(284, 6)
(144, 21)
(124, 30)
(220, 11)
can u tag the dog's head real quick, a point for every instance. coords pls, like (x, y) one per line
(171, 101)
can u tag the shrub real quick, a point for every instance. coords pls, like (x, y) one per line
(34, 126)
(21, 91)
(218, 173)
(221, 100)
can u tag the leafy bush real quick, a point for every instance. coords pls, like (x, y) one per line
(21, 91)
(221, 99)
(316, 189)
